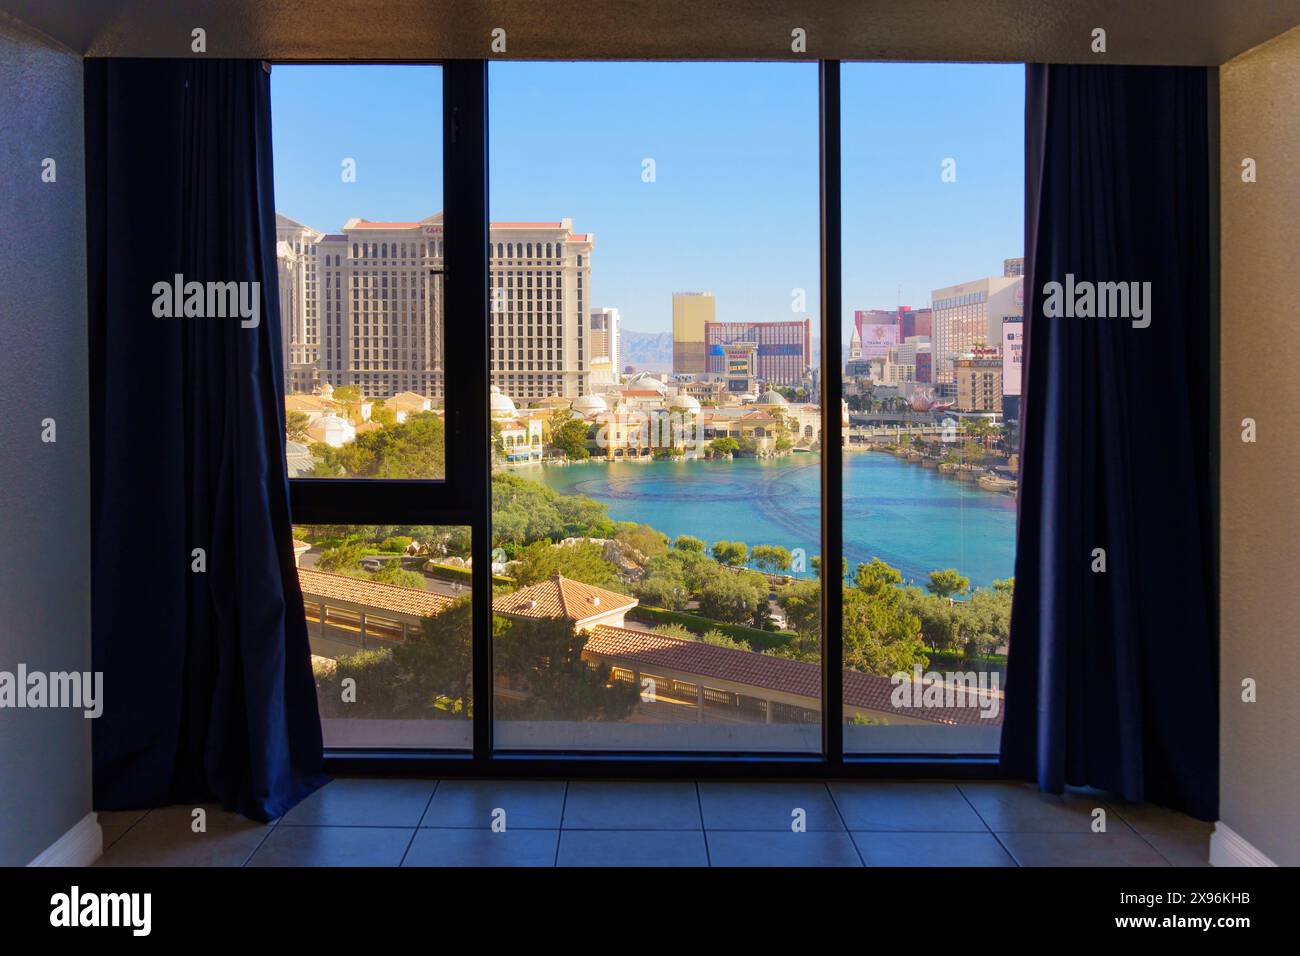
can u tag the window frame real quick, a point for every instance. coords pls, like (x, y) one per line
(464, 497)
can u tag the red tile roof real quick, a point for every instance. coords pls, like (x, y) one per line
(799, 678)
(559, 597)
(386, 597)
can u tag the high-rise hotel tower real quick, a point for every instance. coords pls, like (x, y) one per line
(364, 307)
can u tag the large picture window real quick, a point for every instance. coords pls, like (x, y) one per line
(655, 485)
(571, 442)
(933, 212)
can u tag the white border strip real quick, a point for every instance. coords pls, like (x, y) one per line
(80, 846)
(1230, 848)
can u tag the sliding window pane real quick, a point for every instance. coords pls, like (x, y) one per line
(358, 185)
(656, 490)
(388, 619)
(933, 186)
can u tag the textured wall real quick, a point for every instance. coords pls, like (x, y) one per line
(45, 516)
(1260, 497)
(1196, 32)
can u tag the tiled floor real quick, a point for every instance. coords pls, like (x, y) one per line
(369, 822)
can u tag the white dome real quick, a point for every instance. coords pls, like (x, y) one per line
(748, 397)
(589, 404)
(772, 397)
(686, 403)
(644, 380)
(501, 405)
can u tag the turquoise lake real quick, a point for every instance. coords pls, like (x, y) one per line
(909, 516)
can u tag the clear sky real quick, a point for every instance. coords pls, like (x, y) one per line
(732, 208)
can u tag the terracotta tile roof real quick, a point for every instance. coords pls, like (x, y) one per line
(559, 597)
(386, 597)
(800, 678)
(309, 403)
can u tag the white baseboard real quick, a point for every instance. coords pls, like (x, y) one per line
(1230, 848)
(80, 846)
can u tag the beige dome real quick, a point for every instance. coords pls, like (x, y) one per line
(501, 405)
(589, 405)
(772, 397)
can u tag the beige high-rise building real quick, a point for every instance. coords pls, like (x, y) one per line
(364, 307)
(969, 315)
(300, 321)
(691, 310)
(979, 381)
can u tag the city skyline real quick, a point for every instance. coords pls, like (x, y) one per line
(732, 144)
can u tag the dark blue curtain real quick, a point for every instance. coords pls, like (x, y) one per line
(209, 694)
(1112, 679)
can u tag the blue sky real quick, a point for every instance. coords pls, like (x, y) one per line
(733, 208)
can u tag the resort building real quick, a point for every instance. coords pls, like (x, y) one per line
(364, 307)
(691, 312)
(681, 680)
(970, 315)
(979, 381)
(782, 351)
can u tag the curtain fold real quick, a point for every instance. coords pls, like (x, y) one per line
(198, 621)
(1112, 675)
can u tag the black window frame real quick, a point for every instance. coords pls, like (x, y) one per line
(463, 498)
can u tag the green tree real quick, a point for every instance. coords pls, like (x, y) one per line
(546, 656)
(392, 572)
(569, 434)
(438, 659)
(721, 447)
(685, 542)
(349, 396)
(717, 639)
(735, 599)
(644, 539)
(802, 603)
(583, 561)
(345, 557)
(525, 511)
(414, 449)
(947, 583)
(295, 426)
(880, 635)
(732, 553)
(664, 588)
(770, 558)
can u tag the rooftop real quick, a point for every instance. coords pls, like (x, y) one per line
(560, 597)
(386, 597)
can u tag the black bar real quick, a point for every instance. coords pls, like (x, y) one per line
(377, 500)
(465, 231)
(703, 766)
(832, 390)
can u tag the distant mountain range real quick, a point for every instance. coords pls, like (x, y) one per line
(646, 351)
(653, 351)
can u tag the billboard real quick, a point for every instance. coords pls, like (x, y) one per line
(1013, 351)
(877, 338)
